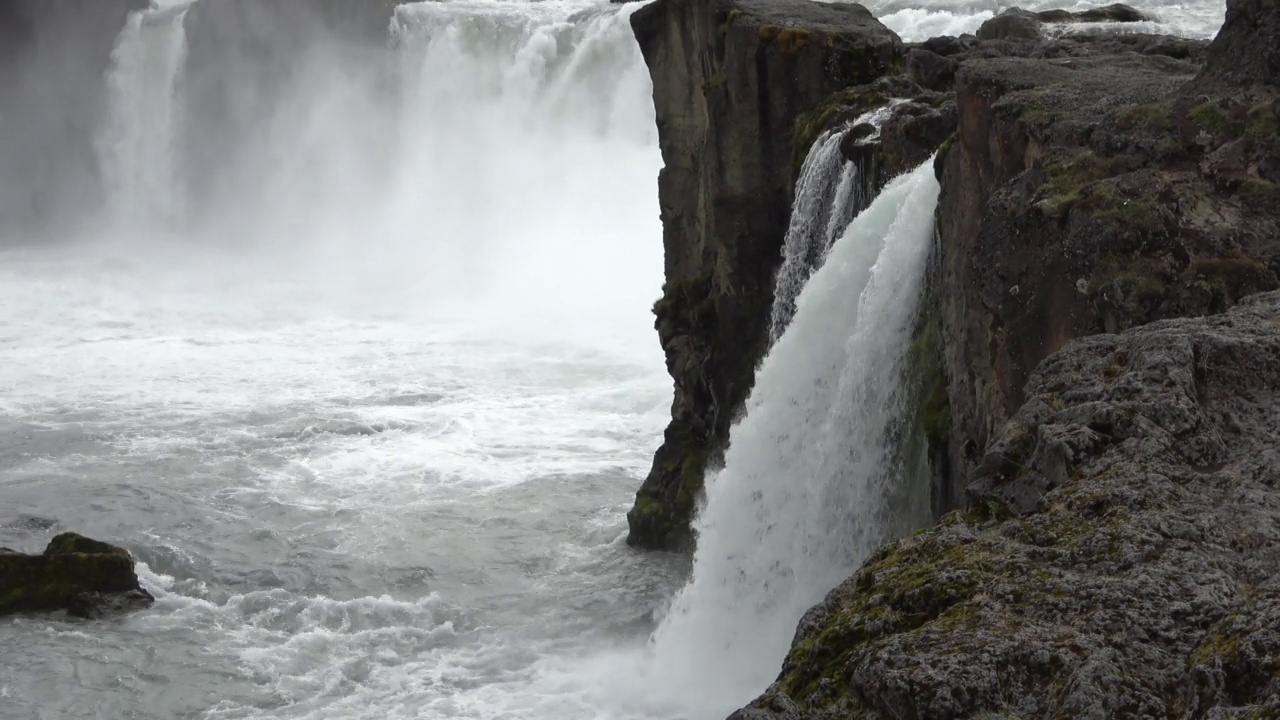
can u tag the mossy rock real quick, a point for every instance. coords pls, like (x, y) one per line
(74, 573)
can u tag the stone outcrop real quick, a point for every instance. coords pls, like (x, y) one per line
(53, 55)
(730, 79)
(87, 578)
(1121, 558)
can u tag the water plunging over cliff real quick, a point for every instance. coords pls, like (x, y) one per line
(137, 147)
(814, 223)
(829, 193)
(817, 473)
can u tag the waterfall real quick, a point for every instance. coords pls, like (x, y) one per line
(817, 190)
(136, 148)
(811, 482)
(491, 156)
(829, 193)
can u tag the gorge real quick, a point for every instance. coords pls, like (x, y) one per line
(333, 314)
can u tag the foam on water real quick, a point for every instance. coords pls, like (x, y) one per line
(917, 20)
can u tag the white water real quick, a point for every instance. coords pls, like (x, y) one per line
(829, 194)
(372, 420)
(807, 240)
(917, 20)
(808, 483)
(137, 146)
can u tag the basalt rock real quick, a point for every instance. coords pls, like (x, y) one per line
(1119, 560)
(730, 79)
(87, 578)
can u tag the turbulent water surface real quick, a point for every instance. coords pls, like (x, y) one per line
(369, 392)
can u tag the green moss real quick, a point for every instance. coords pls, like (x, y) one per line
(946, 146)
(716, 81)
(1217, 646)
(1261, 124)
(71, 565)
(1210, 117)
(1259, 191)
(1231, 275)
(1150, 116)
(1067, 180)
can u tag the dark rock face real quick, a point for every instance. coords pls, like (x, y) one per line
(1247, 49)
(1121, 559)
(730, 80)
(1089, 196)
(87, 578)
(53, 55)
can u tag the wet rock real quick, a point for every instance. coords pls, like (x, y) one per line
(731, 78)
(87, 578)
(1091, 192)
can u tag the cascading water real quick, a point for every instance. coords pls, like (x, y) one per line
(813, 476)
(137, 147)
(823, 207)
(917, 20)
(813, 218)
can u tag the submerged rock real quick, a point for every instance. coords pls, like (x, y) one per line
(85, 577)
(1120, 559)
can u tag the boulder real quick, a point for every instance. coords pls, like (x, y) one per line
(87, 578)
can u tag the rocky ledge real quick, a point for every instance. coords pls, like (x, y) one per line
(1121, 558)
(87, 578)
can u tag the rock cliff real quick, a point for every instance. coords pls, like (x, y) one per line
(730, 79)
